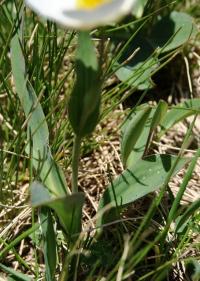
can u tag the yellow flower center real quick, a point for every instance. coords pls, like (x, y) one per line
(90, 4)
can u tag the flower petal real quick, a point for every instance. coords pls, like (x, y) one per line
(65, 12)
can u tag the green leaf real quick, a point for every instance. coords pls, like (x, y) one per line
(37, 132)
(196, 274)
(49, 243)
(132, 130)
(193, 269)
(68, 208)
(137, 71)
(172, 31)
(155, 117)
(137, 181)
(178, 113)
(18, 275)
(84, 102)
(139, 148)
(159, 115)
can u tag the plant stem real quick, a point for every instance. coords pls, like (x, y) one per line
(75, 162)
(64, 274)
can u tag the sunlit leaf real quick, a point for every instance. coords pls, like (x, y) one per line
(68, 208)
(136, 72)
(159, 114)
(37, 131)
(84, 102)
(135, 182)
(178, 113)
(154, 119)
(172, 31)
(137, 68)
(132, 130)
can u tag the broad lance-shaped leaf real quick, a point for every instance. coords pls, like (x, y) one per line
(172, 31)
(68, 208)
(178, 29)
(138, 70)
(146, 176)
(84, 102)
(139, 147)
(37, 132)
(167, 121)
(159, 115)
(178, 113)
(155, 117)
(132, 130)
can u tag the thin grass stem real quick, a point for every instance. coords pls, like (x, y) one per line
(75, 163)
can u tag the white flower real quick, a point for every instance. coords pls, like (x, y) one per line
(82, 14)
